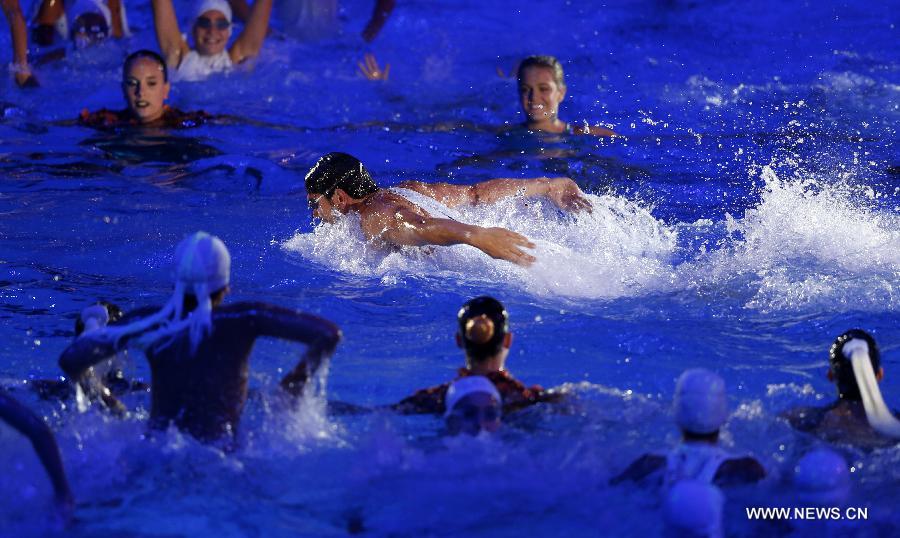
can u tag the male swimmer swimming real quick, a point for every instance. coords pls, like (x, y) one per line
(700, 411)
(199, 350)
(340, 182)
(858, 416)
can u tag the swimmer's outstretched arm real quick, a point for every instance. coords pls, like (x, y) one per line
(173, 47)
(380, 14)
(247, 44)
(13, 12)
(37, 431)
(562, 191)
(115, 13)
(320, 335)
(400, 226)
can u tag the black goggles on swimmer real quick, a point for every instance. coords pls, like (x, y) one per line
(207, 24)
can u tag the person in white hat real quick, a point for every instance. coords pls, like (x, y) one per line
(859, 415)
(85, 22)
(211, 30)
(474, 405)
(199, 350)
(700, 409)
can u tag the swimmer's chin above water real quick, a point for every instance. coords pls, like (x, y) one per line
(420, 214)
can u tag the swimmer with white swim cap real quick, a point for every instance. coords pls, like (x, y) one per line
(211, 30)
(822, 478)
(339, 184)
(474, 405)
(859, 416)
(693, 509)
(85, 22)
(199, 350)
(700, 409)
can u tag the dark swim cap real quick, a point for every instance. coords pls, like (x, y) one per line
(841, 367)
(339, 171)
(483, 322)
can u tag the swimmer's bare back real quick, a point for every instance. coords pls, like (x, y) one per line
(397, 221)
(204, 393)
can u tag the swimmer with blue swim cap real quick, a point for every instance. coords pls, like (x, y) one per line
(199, 349)
(693, 509)
(859, 416)
(474, 405)
(408, 215)
(700, 407)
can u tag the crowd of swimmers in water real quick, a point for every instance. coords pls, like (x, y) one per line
(198, 347)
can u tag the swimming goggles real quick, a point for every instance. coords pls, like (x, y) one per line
(207, 24)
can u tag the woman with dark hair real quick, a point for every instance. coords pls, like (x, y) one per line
(483, 333)
(145, 86)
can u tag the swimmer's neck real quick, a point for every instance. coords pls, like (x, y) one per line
(486, 366)
(709, 438)
(550, 126)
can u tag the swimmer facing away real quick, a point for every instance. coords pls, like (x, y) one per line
(211, 30)
(145, 86)
(199, 349)
(36, 430)
(542, 87)
(340, 183)
(700, 411)
(483, 332)
(859, 415)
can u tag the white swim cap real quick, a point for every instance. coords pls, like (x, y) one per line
(464, 386)
(94, 317)
(700, 405)
(213, 5)
(202, 267)
(694, 508)
(821, 477)
(91, 6)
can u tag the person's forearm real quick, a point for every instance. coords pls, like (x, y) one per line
(115, 13)
(251, 39)
(13, 13)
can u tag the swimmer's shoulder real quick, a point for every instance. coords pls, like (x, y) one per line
(641, 468)
(805, 419)
(743, 470)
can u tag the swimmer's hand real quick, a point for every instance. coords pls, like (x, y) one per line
(26, 80)
(64, 505)
(504, 244)
(370, 68)
(567, 196)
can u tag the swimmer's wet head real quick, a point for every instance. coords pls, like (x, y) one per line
(840, 370)
(336, 173)
(484, 333)
(542, 88)
(212, 26)
(700, 404)
(474, 405)
(145, 85)
(92, 21)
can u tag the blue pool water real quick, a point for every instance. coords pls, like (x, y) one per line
(747, 216)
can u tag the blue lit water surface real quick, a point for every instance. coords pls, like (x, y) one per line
(747, 216)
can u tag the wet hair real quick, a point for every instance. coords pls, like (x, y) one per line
(545, 61)
(90, 20)
(338, 170)
(842, 368)
(483, 323)
(115, 314)
(145, 53)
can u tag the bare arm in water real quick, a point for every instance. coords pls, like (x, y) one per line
(13, 12)
(380, 16)
(562, 191)
(32, 427)
(400, 225)
(248, 44)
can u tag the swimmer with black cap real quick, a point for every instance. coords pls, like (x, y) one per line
(199, 350)
(701, 409)
(474, 405)
(36, 430)
(859, 416)
(339, 184)
(483, 332)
